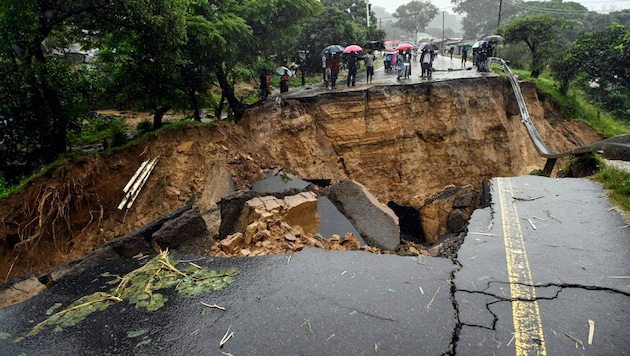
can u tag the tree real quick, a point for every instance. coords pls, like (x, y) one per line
(331, 26)
(603, 56)
(40, 90)
(415, 16)
(482, 16)
(541, 33)
(356, 10)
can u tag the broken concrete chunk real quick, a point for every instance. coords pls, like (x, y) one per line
(20, 291)
(219, 183)
(300, 209)
(448, 211)
(376, 222)
(177, 233)
(333, 222)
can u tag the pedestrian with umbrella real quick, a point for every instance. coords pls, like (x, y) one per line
(352, 62)
(451, 49)
(327, 54)
(285, 76)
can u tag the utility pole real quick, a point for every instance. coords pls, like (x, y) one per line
(367, 13)
(500, 5)
(443, 39)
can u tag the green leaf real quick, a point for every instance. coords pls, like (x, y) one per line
(145, 341)
(4, 335)
(52, 309)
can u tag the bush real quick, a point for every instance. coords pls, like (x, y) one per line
(118, 133)
(144, 127)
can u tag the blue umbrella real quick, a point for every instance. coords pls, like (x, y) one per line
(333, 49)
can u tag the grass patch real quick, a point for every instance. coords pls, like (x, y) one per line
(617, 184)
(575, 106)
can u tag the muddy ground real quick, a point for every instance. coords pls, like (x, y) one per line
(72, 209)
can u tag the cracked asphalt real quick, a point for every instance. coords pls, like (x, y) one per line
(546, 257)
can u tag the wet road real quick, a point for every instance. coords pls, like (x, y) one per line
(546, 257)
(444, 68)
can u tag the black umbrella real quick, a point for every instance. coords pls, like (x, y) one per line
(333, 49)
(493, 39)
(428, 46)
(375, 45)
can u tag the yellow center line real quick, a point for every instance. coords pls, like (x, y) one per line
(528, 332)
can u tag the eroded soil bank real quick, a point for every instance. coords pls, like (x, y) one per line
(404, 143)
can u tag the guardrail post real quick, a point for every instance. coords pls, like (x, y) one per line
(551, 162)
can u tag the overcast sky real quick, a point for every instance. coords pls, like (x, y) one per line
(445, 5)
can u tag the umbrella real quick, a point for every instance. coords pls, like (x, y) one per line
(428, 46)
(478, 44)
(452, 46)
(280, 70)
(375, 45)
(493, 39)
(404, 46)
(333, 49)
(352, 48)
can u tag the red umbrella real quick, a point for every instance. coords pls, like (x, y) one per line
(404, 46)
(352, 48)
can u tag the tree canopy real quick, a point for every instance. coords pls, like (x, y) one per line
(154, 55)
(541, 34)
(599, 62)
(41, 94)
(415, 16)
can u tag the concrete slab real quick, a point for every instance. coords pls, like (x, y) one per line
(333, 222)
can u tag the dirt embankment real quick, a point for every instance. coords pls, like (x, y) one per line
(405, 143)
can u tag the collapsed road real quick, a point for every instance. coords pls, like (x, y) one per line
(548, 256)
(541, 270)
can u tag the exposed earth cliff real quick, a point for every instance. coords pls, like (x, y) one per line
(404, 143)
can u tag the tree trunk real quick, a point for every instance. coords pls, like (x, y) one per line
(54, 143)
(159, 115)
(219, 109)
(236, 105)
(195, 104)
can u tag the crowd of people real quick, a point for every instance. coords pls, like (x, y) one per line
(400, 61)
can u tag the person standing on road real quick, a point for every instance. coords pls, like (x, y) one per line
(369, 66)
(451, 49)
(482, 58)
(400, 64)
(464, 56)
(334, 71)
(425, 63)
(353, 64)
(284, 81)
(264, 85)
(407, 64)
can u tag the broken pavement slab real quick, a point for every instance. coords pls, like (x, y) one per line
(574, 246)
(313, 302)
(376, 222)
(333, 222)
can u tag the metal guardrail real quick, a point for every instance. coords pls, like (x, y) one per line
(618, 146)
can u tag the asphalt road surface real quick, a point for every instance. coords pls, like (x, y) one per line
(546, 257)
